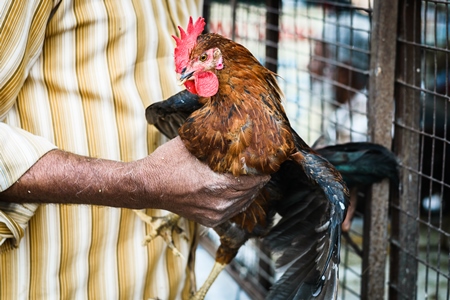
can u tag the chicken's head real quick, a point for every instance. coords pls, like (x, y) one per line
(196, 66)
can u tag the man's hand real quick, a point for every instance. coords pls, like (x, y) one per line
(191, 189)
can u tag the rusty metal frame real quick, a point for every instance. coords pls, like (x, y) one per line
(405, 212)
(380, 107)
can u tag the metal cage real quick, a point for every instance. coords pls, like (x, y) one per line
(363, 71)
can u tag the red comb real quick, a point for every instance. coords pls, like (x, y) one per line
(186, 42)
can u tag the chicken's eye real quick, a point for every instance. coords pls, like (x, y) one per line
(203, 57)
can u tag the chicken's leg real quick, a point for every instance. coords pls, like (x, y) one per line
(162, 226)
(201, 293)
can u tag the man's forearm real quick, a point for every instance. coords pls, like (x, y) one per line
(170, 178)
(62, 177)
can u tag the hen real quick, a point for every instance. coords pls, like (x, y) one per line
(360, 164)
(233, 120)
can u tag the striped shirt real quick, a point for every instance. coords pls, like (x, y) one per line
(77, 75)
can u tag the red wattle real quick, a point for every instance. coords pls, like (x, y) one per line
(206, 84)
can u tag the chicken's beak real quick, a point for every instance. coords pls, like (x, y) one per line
(185, 76)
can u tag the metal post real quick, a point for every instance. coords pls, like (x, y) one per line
(405, 210)
(380, 113)
(272, 33)
(206, 13)
(233, 5)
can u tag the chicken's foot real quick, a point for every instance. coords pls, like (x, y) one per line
(201, 293)
(163, 227)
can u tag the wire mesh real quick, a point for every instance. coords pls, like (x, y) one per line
(422, 76)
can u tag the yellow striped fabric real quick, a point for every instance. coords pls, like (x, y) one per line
(77, 75)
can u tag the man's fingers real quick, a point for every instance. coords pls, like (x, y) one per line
(244, 183)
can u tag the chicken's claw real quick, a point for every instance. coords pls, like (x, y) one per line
(163, 227)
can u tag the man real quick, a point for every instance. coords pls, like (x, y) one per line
(75, 78)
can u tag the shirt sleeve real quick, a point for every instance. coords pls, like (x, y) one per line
(22, 33)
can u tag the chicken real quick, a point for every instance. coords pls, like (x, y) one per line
(237, 125)
(361, 164)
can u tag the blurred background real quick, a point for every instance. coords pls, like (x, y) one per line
(358, 71)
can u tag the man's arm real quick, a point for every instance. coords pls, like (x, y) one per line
(171, 178)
